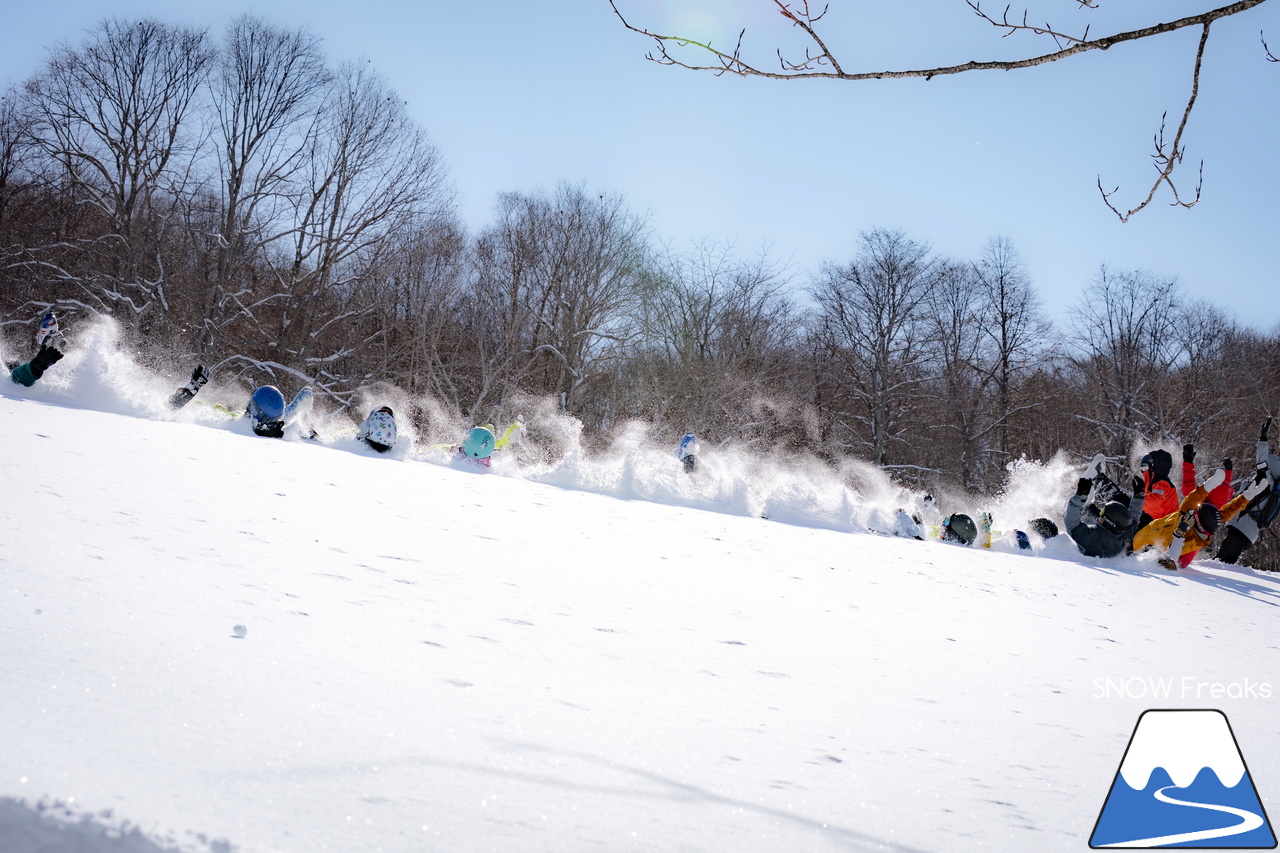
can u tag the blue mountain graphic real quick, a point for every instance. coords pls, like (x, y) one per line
(1130, 814)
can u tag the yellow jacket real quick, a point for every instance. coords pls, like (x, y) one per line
(1159, 533)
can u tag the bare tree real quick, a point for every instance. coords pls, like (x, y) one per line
(417, 291)
(717, 333)
(1013, 328)
(871, 339)
(820, 61)
(115, 114)
(1125, 327)
(556, 275)
(370, 175)
(266, 94)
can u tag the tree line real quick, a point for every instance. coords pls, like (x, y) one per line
(246, 203)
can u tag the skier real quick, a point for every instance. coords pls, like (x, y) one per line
(477, 447)
(268, 413)
(959, 527)
(1183, 532)
(50, 342)
(183, 395)
(1245, 528)
(1219, 496)
(1106, 530)
(687, 452)
(1044, 528)
(378, 429)
(1161, 495)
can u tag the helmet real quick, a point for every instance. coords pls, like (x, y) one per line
(266, 410)
(1208, 519)
(478, 444)
(1044, 528)
(1159, 463)
(959, 528)
(379, 430)
(1115, 517)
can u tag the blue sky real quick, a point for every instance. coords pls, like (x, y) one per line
(519, 95)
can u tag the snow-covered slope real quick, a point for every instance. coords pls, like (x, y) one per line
(594, 654)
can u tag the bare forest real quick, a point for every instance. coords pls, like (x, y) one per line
(240, 200)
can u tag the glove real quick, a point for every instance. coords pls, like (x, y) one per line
(1216, 479)
(1226, 464)
(1084, 486)
(1188, 453)
(1139, 489)
(1256, 488)
(1094, 467)
(1266, 427)
(48, 356)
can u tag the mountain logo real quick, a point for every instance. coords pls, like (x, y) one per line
(1183, 783)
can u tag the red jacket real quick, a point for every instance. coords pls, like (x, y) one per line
(1218, 497)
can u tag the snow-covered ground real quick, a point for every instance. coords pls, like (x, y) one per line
(592, 653)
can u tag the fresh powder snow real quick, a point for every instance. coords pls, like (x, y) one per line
(215, 642)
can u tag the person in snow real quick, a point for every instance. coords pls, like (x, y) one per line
(269, 414)
(687, 452)
(50, 342)
(183, 395)
(1245, 528)
(1103, 528)
(1183, 532)
(1219, 496)
(378, 429)
(1162, 497)
(960, 528)
(480, 443)
(266, 409)
(1044, 528)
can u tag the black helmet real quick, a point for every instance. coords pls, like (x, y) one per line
(959, 527)
(1115, 517)
(1044, 528)
(1208, 519)
(1159, 463)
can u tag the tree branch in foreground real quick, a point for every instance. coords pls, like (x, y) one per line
(820, 62)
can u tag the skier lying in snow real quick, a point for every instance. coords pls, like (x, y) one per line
(50, 342)
(687, 452)
(1103, 526)
(378, 429)
(1245, 528)
(1162, 497)
(480, 443)
(266, 409)
(1183, 532)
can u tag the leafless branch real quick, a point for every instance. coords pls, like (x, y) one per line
(823, 63)
(734, 63)
(1168, 156)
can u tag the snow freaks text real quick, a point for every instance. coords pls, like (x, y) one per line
(1186, 687)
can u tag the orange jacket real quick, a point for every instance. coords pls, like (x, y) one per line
(1161, 499)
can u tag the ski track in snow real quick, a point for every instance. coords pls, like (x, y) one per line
(438, 659)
